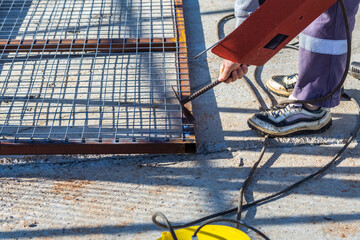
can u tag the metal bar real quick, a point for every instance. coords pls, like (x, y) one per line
(122, 147)
(95, 15)
(183, 67)
(151, 84)
(78, 45)
(117, 132)
(163, 70)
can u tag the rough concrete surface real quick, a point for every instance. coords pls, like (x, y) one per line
(113, 197)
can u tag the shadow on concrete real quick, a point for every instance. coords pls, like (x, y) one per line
(119, 229)
(158, 172)
(213, 182)
(249, 194)
(208, 127)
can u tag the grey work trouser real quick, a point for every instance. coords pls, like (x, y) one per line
(323, 50)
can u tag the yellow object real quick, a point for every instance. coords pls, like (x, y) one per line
(208, 232)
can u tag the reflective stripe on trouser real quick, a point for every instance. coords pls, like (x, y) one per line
(322, 55)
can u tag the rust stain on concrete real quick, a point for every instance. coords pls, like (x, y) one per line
(340, 230)
(71, 189)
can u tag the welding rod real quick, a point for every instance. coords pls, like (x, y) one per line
(204, 51)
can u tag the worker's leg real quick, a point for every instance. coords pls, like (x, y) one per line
(322, 55)
(322, 62)
(329, 26)
(243, 9)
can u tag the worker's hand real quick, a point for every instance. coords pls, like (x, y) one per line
(230, 71)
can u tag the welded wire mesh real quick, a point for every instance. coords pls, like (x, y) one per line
(54, 19)
(88, 95)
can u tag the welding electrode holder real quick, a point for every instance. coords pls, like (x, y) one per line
(200, 92)
(189, 118)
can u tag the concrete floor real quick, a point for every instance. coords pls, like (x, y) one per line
(113, 197)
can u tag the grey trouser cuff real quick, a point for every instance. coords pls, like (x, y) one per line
(243, 9)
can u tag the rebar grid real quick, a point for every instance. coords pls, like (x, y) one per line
(63, 19)
(91, 95)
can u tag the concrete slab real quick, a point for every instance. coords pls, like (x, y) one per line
(113, 197)
(92, 197)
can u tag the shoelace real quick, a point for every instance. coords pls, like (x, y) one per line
(290, 77)
(279, 110)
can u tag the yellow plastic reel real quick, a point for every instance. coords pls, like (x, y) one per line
(208, 232)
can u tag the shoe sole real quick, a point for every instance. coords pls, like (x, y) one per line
(264, 132)
(277, 92)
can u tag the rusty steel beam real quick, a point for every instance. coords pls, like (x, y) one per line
(105, 147)
(84, 45)
(183, 66)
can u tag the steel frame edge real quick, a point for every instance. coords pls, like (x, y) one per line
(183, 65)
(143, 147)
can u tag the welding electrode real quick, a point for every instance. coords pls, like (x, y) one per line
(355, 70)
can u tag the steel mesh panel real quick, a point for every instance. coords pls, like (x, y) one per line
(54, 19)
(90, 95)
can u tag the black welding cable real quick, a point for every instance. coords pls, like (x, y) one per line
(260, 85)
(248, 180)
(293, 46)
(167, 223)
(230, 221)
(220, 33)
(311, 176)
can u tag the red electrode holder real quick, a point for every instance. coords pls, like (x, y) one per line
(267, 30)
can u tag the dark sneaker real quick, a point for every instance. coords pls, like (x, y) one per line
(287, 120)
(282, 85)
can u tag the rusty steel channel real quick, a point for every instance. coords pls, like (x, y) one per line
(76, 94)
(80, 45)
